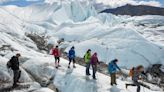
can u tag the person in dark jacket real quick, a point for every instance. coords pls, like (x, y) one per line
(14, 65)
(71, 56)
(56, 53)
(137, 75)
(112, 68)
(94, 62)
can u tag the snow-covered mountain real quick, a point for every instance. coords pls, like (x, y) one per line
(136, 10)
(133, 40)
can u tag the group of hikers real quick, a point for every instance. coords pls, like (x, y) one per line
(136, 73)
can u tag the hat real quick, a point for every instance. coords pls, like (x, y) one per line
(18, 54)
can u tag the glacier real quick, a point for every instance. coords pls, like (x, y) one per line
(133, 40)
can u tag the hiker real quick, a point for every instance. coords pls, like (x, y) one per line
(137, 74)
(87, 59)
(56, 53)
(13, 63)
(71, 56)
(112, 68)
(94, 62)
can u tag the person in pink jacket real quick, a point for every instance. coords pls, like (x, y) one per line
(94, 62)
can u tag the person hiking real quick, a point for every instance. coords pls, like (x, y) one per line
(138, 73)
(87, 59)
(56, 53)
(13, 63)
(112, 68)
(94, 62)
(71, 56)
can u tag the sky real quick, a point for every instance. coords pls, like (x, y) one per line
(111, 3)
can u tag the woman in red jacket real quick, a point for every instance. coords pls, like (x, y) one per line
(94, 62)
(56, 53)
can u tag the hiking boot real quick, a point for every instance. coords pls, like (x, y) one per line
(19, 82)
(95, 78)
(59, 65)
(111, 84)
(68, 66)
(15, 85)
(74, 66)
(56, 67)
(88, 74)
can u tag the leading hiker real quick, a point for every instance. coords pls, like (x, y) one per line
(13, 63)
(112, 68)
(56, 53)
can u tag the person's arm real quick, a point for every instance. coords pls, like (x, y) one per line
(98, 61)
(143, 75)
(117, 67)
(74, 53)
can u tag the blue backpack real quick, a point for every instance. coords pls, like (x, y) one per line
(111, 68)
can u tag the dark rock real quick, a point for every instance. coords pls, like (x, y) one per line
(156, 72)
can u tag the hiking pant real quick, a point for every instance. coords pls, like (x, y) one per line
(113, 78)
(57, 60)
(138, 84)
(70, 60)
(94, 68)
(17, 74)
(87, 68)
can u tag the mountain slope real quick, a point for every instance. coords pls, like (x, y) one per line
(137, 10)
(111, 36)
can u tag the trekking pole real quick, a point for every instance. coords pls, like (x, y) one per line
(143, 86)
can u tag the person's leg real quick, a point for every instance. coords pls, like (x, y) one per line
(69, 62)
(94, 71)
(87, 69)
(58, 60)
(89, 65)
(112, 80)
(74, 63)
(141, 84)
(19, 75)
(55, 61)
(138, 85)
(129, 85)
(138, 88)
(16, 75)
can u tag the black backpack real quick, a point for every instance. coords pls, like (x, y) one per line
(8, 64)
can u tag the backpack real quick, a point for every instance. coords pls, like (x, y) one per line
(110, 66)
(131, 72)
(8, 64)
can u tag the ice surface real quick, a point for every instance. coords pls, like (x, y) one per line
(133, 40)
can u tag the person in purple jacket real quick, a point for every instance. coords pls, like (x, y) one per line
(94, 62)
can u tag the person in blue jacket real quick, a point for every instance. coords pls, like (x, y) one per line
(71, 56)
(112, 68)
